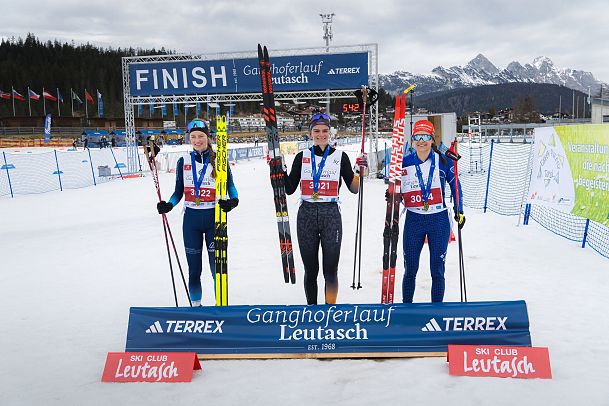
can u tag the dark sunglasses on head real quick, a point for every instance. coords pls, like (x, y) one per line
(421, 137)
(196, 125)
(319, 116)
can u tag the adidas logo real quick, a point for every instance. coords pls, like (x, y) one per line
(432, 325)
(155, 328)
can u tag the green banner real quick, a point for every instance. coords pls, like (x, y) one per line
(587, 150)
(571, 170)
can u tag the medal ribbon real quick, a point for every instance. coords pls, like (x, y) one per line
(196, 181)
(316, 172)
(425, 189)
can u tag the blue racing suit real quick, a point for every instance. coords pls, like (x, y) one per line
(198, 225)
(431, 221)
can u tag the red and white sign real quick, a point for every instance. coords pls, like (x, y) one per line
(150, 366)
(503, 362)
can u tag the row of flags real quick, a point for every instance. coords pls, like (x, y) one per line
(163, 107)
(58, 98)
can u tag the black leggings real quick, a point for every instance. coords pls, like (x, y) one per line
(320, 222)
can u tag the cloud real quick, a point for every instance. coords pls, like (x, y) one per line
(412, 35)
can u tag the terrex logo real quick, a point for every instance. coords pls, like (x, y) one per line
(187, 326)
(466, 324)
(343, 71)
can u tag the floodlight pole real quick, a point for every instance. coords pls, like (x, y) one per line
(326, 20)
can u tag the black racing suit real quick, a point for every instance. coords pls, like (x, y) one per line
(319, 222)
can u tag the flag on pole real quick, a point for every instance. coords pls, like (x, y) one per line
(198, 109)
(5, 95)
(151, 107)
(33, 95)
(163, 108)
(59, 100)
(47, 128)
(75, 97)
(17, 95)
(100, 105)
(89, 97)
(48, 95)
(175, 109)
(139, 106)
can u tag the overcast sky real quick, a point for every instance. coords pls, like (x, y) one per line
(415, 36)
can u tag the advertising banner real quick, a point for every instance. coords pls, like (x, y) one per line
(570, 170)
(47, 128)
(255, 152)
(344, 330)
(290, 73)
(499, 361)
(241, 153)
(150, 367)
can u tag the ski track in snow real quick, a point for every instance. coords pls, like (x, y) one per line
(73, 262)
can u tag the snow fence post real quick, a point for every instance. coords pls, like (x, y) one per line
(8, 175)
(91, 163)
(58, 171)
(488, 176)
(527, 214)
(116, 162)
(585, 233)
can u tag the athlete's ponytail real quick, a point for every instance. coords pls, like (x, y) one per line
(212, 158)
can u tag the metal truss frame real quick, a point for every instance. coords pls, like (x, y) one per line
(131, 101)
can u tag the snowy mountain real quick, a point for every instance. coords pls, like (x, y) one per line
(480, 71)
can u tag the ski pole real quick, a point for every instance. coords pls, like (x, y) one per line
(462, 283)
(166, 228)
(357, 263)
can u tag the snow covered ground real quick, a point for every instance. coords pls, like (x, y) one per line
(73, 262)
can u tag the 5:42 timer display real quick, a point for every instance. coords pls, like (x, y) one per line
(345, 108)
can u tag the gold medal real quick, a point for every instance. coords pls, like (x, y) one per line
(425, 206)
(197, 201)
(315, 195)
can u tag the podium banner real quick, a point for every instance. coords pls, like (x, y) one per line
(345, 330)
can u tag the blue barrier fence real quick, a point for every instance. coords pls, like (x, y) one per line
(493, 177)
(23, 173)
(496, 176)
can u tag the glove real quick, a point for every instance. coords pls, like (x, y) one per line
(283, 168)
(164, 207)
(388, 196)
(360, 161)
(228, 204)
(460, 219)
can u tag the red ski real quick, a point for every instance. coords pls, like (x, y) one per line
(392, 215)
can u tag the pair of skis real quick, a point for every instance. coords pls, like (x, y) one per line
(391, 231)
(392, 214)
(276, 167)
(221, 230)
